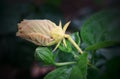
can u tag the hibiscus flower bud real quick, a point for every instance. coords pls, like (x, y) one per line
(36, 31)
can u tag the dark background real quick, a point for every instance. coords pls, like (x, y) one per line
(17, 55)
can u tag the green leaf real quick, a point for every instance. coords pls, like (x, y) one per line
(44, 54)
(101, 27)
(75, 36)
(64, 57)
(102, 45)
(67, 49)
(59, 73)
(79, 71)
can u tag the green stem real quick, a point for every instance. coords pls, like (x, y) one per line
(64, 63)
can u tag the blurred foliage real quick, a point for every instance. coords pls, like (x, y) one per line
(56, 3)
(100, 35)
(105, 27)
